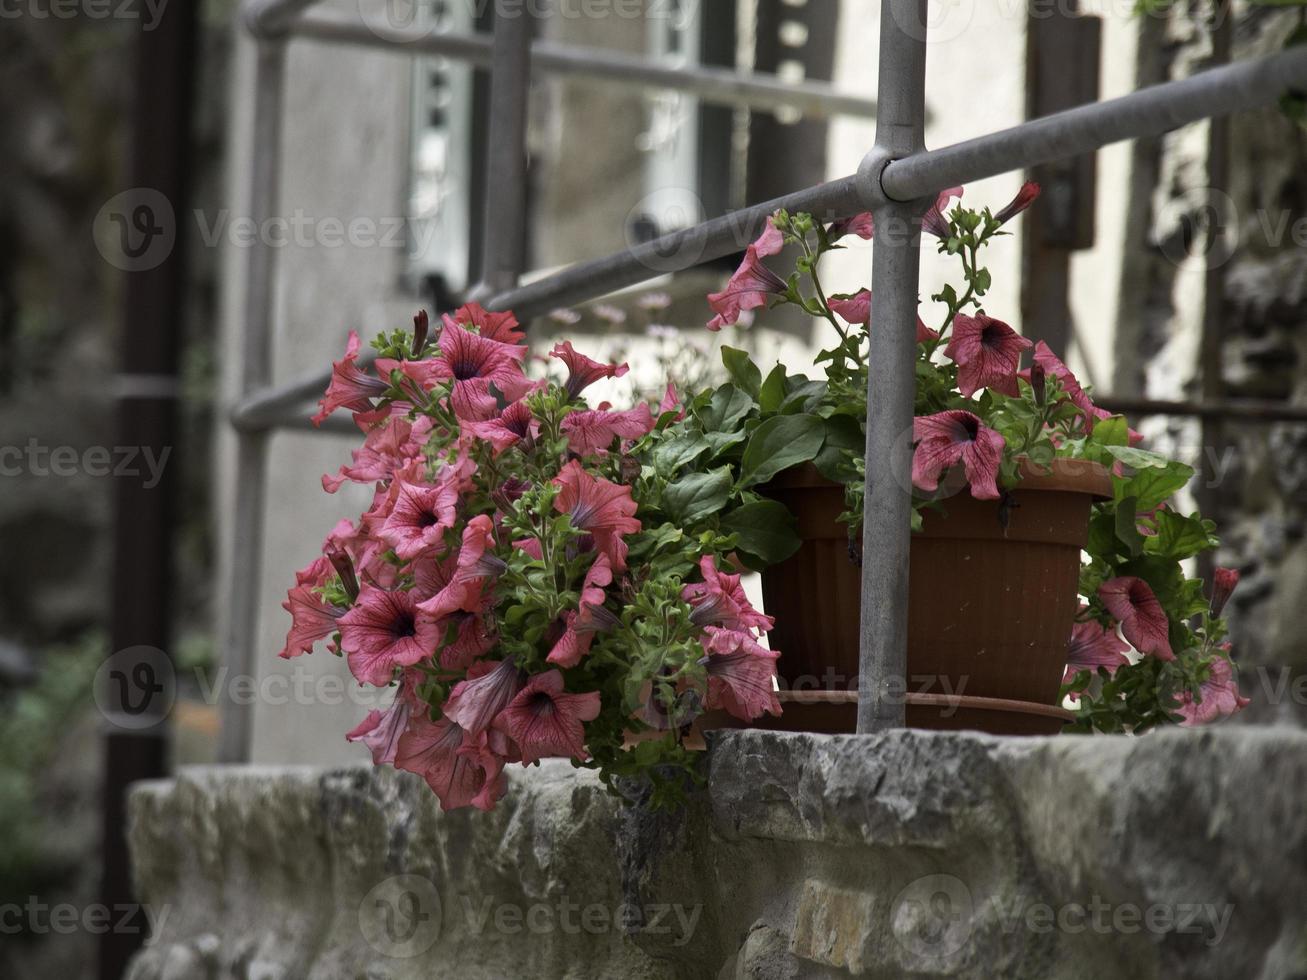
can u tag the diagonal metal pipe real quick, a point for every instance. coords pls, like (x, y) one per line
(1147, 112)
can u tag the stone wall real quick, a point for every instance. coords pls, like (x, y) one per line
(1251, 473)
(918, 854)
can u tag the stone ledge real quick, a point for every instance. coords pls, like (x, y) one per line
(1181, 854)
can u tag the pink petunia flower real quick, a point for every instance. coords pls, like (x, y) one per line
(1220, 696)
(546, 721)
(741, 674)
(312, 619)
(861, 225)
(596, 505)
(351, 387)
(502, 327)
(381, 731)
(948, 438)
(367, 552)
(489, 687)
(386, 449)
(856, 309)
(465, 637)
(512, 426)
(1052, 365)
(476, 564)
(1224, 581)
(864, 226)
(752, 282)
(1143, 621)
(719, 600)
(419, 518)
(433, 750)
(1025, 197)
(1091, 646)
(474, 364)
(987, 353)
(671, 402)
(934, 221)
(588, 618)
(581, 370)
(594, 431)
(383, 631)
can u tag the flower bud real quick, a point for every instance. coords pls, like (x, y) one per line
(1037, 383)
(1223, 582)
(421, 324)
(340, 561)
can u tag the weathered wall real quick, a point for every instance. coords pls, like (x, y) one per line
(917, 854)
(1251, 473)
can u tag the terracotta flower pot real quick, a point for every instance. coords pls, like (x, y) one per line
(992, 599)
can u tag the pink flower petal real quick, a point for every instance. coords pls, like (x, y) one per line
(1143, 621)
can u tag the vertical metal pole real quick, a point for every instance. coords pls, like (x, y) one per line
(153, 306)
(891, 380)
(1210, 374)
(503, 253)
(246, 553)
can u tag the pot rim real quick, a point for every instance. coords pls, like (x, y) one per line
(1066, 475)
(918, 699)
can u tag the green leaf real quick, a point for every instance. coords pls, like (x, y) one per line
(671, 455)
(728, 405)
(1127, 531)
(843, 435)
(697, 495)
(742, 369)
(721, 441)
(801, 396)
(1153, 485)
(1179, 537)
(765, 532)
(772, 392)
(1111, 431)
(779, 443)
(1138, 458)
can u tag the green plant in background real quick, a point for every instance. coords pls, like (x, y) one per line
(34, 722)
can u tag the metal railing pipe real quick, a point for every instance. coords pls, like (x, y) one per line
(891, 379)
(718, 85)
(676, 251)
(1147, 112)
(245, 556)
(272, 18)
(504, 248)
